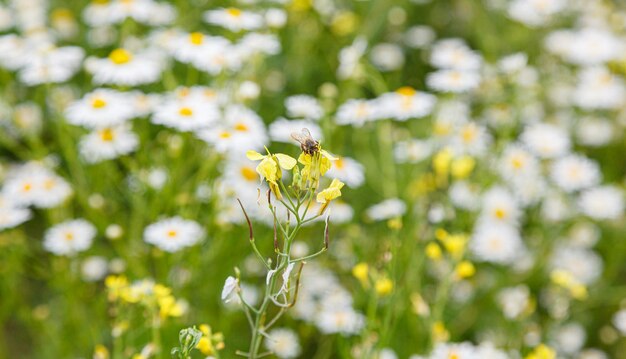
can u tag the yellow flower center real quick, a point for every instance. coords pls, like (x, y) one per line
(27, 187)
(468, 134)
(120, 56)
(249, 174)
(241, 127)
(455, 76)
(98, 103)
(185, 111)
(69, 236)
(196, 38)
(339, 163)
(517, 162)
(233, 12)
(453, 356)
(172, 233)
(106, 135)
(406, 91)
(225, 134)
(49, 184)
(500, 213)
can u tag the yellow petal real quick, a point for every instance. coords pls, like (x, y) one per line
(286, 162)
(254, 155)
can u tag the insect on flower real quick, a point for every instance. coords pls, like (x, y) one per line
(307, 144)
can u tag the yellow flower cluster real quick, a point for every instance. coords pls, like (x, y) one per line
(307, 177)
(144, 292)
(210, 342)
(270, 168)
(566, 280)
(382, 284)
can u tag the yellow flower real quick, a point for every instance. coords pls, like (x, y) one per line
(315, 166)
(100, 352)
(465, 269)
(568, 281)
(439, 332)
(333, 191)
(433, 251)
(384, 286)
(360, 272)
(542, 352)
(270, 167)
(462, 167)
(455, 244)
(116, 286)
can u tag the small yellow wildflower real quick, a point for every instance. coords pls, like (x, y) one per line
(433, 251)
(465, 269)
(439, 332)
(361, 272)
(462, 167)
(568, 281)
(542, 352)
(270, 167)
(333, 191)
(100, 352)
(384, 286)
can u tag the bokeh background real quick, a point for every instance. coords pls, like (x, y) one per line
(500, 182)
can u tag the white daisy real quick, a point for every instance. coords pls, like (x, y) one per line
(349, 58)
(470, 138)
(70, 237)
(11, 214)
(356, 112)
(241, 127)
(281, 129)
(599, 89)
(454, 54)
(304, 106)
(234, 19)
(344, 320)
(188, 113)
(455, 81)
(575, 172)
(412, 151)
(389, 208)
(283, 343)
(100, 108)
(406, 103)
(546, 140)
(514, 301)
(35, 185)
(387, 56)
(453, 350)
(605, 202)
(173, 234)
(124, 68)
(499, 206)
(496, 243)
(535, 12)
(517, 162)
(107, 143)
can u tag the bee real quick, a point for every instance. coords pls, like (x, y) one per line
(307, 144)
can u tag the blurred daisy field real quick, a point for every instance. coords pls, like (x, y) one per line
(413, 179)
